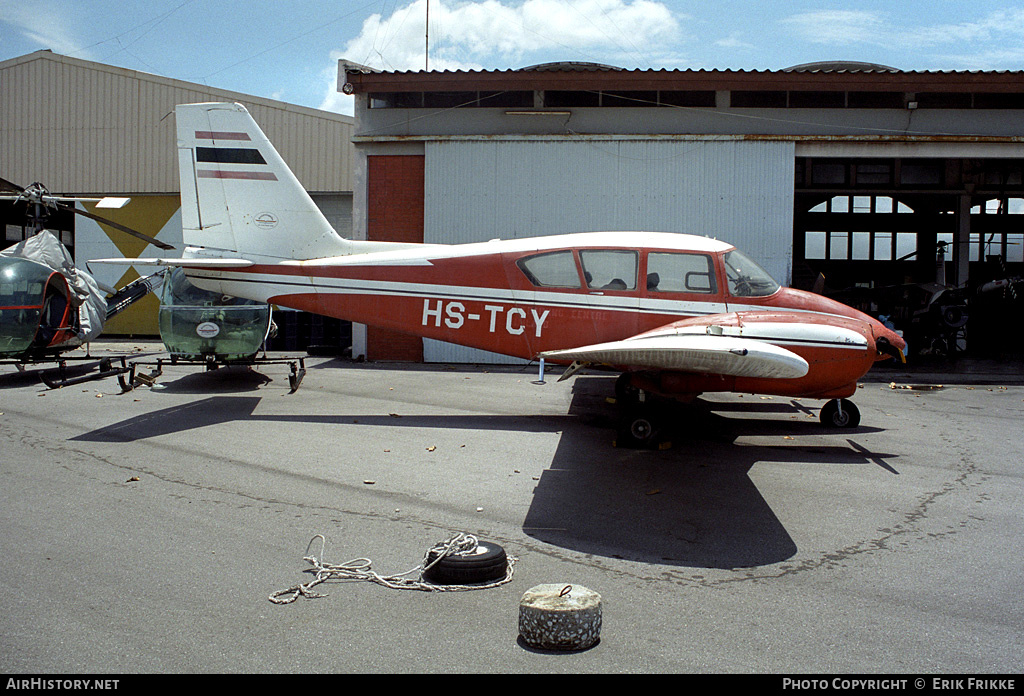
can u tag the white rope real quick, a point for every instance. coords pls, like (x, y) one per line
(361, 569)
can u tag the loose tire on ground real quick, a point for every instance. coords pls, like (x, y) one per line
(487, 563)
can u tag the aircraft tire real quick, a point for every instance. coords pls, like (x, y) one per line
(639, 430)
(488, 563)
(833, 417)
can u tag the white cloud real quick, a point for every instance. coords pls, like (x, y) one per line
(1008, 58)
(990, 42)
(734, 41)
(996, 26)
(839, 27)
(491, 34)
(994, 42)
(42, 26)
(471, 35)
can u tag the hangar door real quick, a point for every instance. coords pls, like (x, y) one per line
(936, 244)
(734, 190)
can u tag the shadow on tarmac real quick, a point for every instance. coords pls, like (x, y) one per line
(692, 505)
(32, 374)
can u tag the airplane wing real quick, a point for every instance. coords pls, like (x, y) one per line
(693, 352)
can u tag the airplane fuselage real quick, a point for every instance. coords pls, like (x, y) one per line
(524, 297)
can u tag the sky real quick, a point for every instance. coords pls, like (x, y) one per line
(289, 49)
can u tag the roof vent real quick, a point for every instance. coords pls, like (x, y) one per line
(838, 65)
(569, 65)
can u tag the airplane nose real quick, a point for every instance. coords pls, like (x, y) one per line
(888, 342)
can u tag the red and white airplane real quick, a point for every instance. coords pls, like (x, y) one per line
(676, 314)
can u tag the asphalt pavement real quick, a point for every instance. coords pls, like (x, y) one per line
(145, 531)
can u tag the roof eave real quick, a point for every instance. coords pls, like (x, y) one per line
(685, 80)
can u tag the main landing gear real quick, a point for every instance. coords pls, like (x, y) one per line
(640, 420)
(639, 428)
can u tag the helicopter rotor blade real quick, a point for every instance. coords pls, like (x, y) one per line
(118, 226)
(10, 186)
(37, 193)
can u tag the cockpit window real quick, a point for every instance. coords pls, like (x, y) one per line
(552, 270)
(609, 269)
(746, 278)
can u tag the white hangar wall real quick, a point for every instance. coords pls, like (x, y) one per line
(736, 190)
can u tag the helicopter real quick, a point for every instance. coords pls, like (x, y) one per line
(48, 306)
(199, 327)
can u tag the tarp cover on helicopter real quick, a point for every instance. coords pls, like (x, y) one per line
(86, 295)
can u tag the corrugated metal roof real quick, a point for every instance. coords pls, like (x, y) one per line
(85, 127)
(572, 66)
(570, 75)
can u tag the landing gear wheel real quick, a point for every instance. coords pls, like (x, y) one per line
(487, 563)
(840, 413)
(638, 430)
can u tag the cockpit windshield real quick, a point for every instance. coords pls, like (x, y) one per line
(22, 283)
(746, 278)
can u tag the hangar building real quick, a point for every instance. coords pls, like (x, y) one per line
(87, 129)
(877, 182)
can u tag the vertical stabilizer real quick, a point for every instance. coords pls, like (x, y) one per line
(238, 197)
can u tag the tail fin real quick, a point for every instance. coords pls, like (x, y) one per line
(238, 197)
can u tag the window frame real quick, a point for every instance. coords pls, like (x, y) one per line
(712, 274)
(534, 281)
(593, 286)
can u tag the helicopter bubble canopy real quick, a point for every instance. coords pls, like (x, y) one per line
(22, 294)
(29, 264)
(195, 323)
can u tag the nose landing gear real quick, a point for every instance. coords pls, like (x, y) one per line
(840, 413)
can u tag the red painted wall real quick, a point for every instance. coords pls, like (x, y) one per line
(394, 214)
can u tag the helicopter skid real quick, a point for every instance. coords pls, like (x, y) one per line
(106, 369)
(135, 378)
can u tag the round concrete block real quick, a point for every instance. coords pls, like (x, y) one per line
(560, 617)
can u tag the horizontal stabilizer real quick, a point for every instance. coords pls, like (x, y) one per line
(705, 354)
(184, 263)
